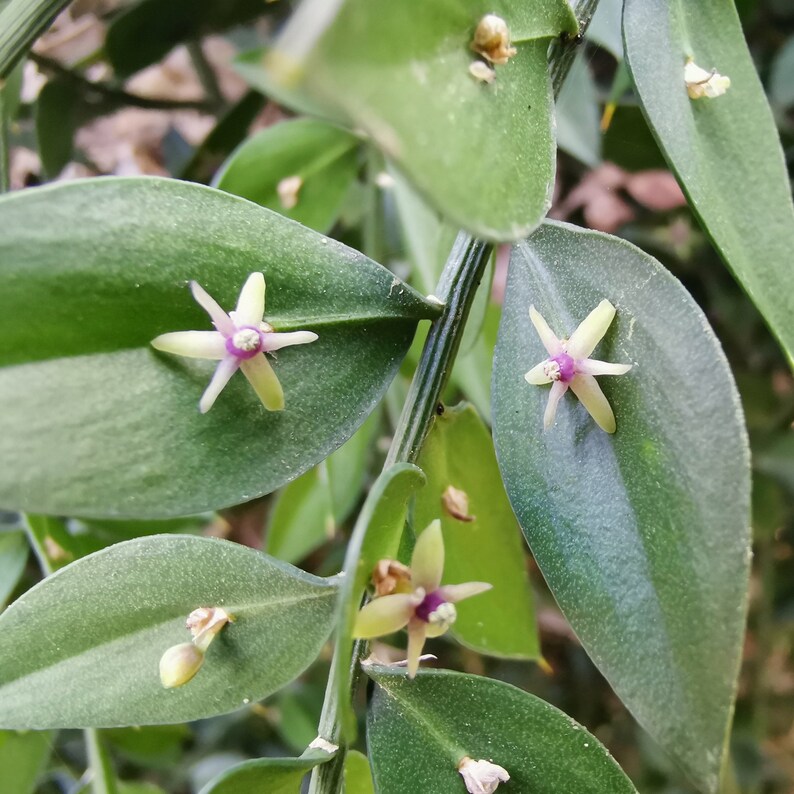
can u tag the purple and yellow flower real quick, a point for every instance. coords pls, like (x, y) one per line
(569, 365)
(240, 341)
(425, 606)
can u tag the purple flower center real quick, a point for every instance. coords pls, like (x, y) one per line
(566, 365)
(430, 603)
(245, 342)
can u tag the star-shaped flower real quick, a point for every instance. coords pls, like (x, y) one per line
(421, 603)
(569, 365)
(240, 341)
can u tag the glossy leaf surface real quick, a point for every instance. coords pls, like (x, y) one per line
(459, 452)
(642, 535)
(419, 731)
(82, 648)
(323, 157)
(399, 72)
(102, 265)
(266, 775)
(725, 151)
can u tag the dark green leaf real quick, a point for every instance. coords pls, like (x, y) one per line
(266, 775)
(725, 151)
(230, 130)
(642, 535)
(82, 648)
(322, 156)
(103, 265)
(146, 31)
(13, 556)
(399, 72)
(459, 452)
(419, 731)
(56, 122)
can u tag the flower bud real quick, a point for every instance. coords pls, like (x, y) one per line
(179, 664)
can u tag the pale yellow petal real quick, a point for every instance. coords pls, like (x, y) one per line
(537, 375)
(417, 632)
(192, 344)
(457, 592)
(265, 382)
(251, 303)
(224, 371)
(276, 341)
(427, 561)
(591, 366)
(586, 388)
(555, 395)
(590, 331)
(384, 615)
(550, 341)
(219, 318)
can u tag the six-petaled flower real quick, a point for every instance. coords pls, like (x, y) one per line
(240, 342)
(425, 606)
(569, 365)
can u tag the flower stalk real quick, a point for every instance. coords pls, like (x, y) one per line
(457, 287)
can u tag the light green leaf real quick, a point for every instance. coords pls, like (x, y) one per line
(578, 115)
(266, 775)
(302, 518)
(459, 452)
(605, 27)
(643, 536)
(399, 72)
(348, 467)
(376, 536)
(322, 156)
(358, 775)
(102, 265)
(21, 22)
(82, 648)
(419, 731)
(725, 151)
(13, 557)
(22, 759)
(471, 372)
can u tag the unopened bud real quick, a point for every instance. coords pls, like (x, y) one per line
(179, 664)
(492, 39)
(456, 503)
(390, 576)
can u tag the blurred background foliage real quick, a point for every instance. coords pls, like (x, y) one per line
(150, 87)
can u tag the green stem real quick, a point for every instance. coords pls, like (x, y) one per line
(206, 75)
(456, 289)
(103, 781)
(112, 94)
